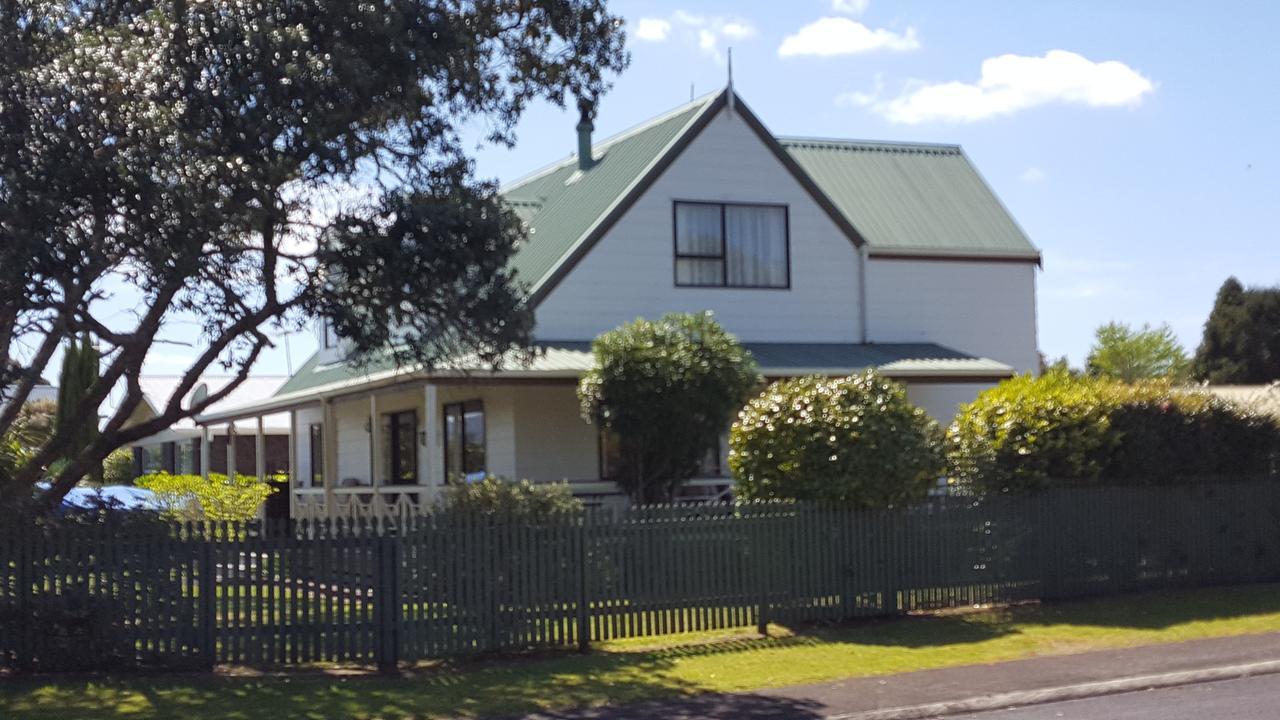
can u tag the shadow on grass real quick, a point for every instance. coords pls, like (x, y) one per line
(513, 686)
(1159, 609)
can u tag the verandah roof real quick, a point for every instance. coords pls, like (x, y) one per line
(569, 359)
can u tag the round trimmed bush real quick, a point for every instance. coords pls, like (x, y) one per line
(854, 441)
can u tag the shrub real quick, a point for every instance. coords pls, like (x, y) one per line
(1029, 433)
(1027, 430)
(509, 500)
(853, 441)
(666, 390)
(192, 498)
(117, 469)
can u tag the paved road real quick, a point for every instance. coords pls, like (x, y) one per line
(1247, 699)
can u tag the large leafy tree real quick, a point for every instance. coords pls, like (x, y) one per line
(666, 390)
(1130, 355)
(245, 166)
(1241, 343)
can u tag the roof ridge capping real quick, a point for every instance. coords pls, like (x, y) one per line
(871, 145)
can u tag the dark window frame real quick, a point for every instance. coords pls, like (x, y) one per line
(393, 420)
(723, 257)
(315, 454)
(462, 407)
(328, 336)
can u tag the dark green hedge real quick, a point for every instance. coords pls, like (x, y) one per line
(1028, 433)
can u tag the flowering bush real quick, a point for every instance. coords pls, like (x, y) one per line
(192, 498)
(506, 499)
(854, 441)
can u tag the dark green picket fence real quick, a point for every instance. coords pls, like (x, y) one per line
(101, 596)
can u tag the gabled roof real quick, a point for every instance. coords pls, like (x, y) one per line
(897, 198)
(562, 204)
(158, 389)
(912, 198)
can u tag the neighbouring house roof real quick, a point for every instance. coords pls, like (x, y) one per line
(897, 198)
(1263, 399)
(158, 389)
(569, 359)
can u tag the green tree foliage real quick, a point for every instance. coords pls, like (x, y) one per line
(666, 389)
(118, 468)
(1029, 433)
(189, 498)
(504, 499)
(79, 373)
(1241, 342)
(245, 167)
(1129, 355)
(34, 424)
(854, 441)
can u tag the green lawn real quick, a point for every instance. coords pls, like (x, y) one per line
(635, 670)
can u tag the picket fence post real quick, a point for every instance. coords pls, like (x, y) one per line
(584, 612)
(387, 600)
(208, 608)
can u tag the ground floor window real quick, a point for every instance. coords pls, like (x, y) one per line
(185, 458)
(152, 458)
(400, 447)
(464, 440)
(316, 455)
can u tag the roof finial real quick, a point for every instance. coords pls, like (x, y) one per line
(730, 87)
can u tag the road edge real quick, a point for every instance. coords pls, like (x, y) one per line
(1025, 698)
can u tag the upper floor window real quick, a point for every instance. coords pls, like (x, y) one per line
(328, 337)
(732, 245)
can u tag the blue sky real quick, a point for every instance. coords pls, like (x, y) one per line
(1135, 142)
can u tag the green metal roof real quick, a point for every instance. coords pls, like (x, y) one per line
(571, 358)
(900, 198)
(912, 198)
(561, 204)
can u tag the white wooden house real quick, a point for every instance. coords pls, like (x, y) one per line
(823, 256)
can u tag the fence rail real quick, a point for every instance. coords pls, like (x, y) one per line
(96, 596)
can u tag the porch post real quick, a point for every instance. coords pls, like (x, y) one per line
(375, 442)
(204, 453)
(329, 432)
(231, 450)
(291, 466)
(432, 471)
(260, 452)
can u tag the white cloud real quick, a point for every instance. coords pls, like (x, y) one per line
(653, 29)
(1010, 83)
(850, 7)
(708, 33)
(843, 36)
(1033, 175)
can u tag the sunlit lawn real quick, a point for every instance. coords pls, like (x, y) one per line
(641, 669)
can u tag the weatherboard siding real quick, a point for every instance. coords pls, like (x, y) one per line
(553, 442)
(942, 400)
(630, 272)
(986, 309)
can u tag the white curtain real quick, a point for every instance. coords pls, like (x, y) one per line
(756, 245)
(698, 233)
